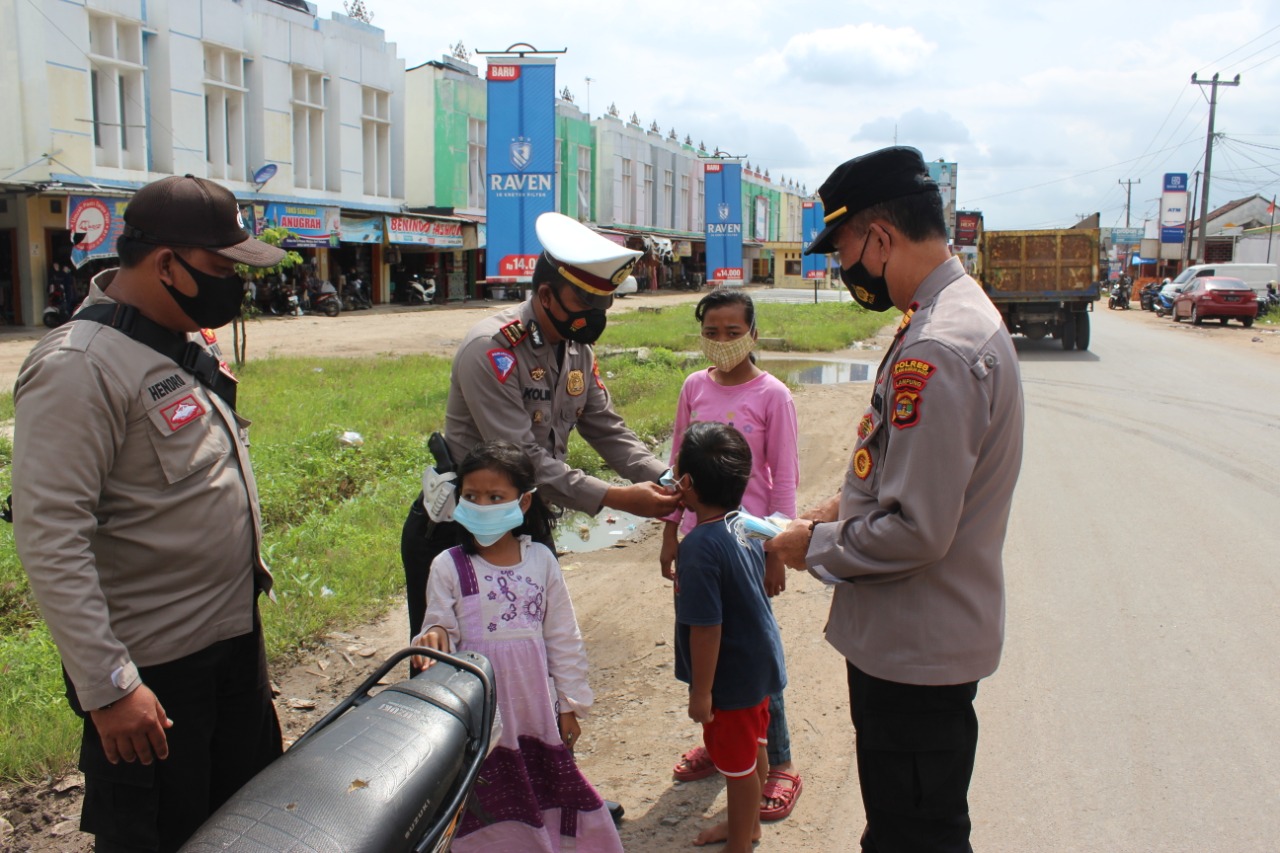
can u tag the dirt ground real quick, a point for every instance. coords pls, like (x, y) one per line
(639, 726)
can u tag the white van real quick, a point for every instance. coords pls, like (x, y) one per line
(1256, 276)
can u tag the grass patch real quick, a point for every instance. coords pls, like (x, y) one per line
(332, 514)
(821, 327)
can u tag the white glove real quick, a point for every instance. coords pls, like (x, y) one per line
(439, 495)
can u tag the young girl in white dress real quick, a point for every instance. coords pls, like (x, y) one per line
(501, 594)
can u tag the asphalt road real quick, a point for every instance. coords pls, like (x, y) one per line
(1137, 707)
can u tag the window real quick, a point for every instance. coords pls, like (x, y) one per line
(700, 206)
(584, 182)
(477, 151)
(116, 95)
(628, 193)
(224, 93)
(646, 197)
(668, 189)
(683, 217)
(792, 268)
(310, 91)
(375, 121)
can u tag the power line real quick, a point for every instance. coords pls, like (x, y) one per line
(1260, 35)
(1128, 162)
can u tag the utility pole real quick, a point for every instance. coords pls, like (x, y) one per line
(1213, 85)
(1128, 196)
(1187, 236)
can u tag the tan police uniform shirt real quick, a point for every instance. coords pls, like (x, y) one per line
(135, 510)
(508, 383)
(926, 496)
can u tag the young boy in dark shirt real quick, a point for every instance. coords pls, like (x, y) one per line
(727, 645)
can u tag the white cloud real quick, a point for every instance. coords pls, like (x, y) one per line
(856, 53)
(918, 127)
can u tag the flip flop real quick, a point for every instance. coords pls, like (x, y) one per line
(775, 790)
(693, 765)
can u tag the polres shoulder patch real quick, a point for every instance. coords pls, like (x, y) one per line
(913, 367)
(595, 371)
(503, 363)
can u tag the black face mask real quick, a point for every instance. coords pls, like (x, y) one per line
(217, 301)
(869, 291)
(581, 327)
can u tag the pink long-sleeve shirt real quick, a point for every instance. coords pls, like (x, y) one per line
(763, 411)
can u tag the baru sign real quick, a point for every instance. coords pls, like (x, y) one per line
(723, 212)
(812, 266)
(520, 163)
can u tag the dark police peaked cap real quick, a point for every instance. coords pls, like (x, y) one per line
(196, 213)
(865, 182)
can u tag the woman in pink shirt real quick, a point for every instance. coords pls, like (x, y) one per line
(737, 392)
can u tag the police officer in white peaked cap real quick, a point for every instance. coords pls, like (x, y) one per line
(528, 375)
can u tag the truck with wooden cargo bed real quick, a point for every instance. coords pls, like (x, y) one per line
(1044, 283)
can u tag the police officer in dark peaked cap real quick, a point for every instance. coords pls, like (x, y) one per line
(912, 543)
(140, 527)
(528, 374)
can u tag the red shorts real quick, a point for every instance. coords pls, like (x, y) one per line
(733, 738)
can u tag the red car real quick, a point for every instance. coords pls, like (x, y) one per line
(1212, 298)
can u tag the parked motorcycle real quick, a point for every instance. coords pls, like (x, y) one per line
(1163, 305)
(355, 296)
(1270, 301)
(420, 291)
(326, 300)
(1147, 296)
(58, 307)
(1120, 292)
(386, 776)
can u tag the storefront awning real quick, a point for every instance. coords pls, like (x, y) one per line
(659, 247)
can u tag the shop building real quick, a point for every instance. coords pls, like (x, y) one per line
(301, 117)
(445, 176)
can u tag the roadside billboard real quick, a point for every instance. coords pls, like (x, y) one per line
(811, 224)
(520, 163)
(723, 212)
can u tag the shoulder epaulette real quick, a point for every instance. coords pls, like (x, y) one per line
(514, 332)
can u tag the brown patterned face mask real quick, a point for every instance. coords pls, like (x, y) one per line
(726, 355)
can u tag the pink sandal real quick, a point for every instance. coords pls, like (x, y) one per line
(786, 794)
(693, 765)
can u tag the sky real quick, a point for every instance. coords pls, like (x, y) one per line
(1046, 107)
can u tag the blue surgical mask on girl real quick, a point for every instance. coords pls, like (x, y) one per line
(489, 523)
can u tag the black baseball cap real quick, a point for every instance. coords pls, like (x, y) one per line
(866, 181)
(195, 213)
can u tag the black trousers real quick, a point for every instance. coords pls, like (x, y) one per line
(224, 731)
(915, 748)
(417, 551)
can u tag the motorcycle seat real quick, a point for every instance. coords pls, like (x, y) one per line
(375, 780)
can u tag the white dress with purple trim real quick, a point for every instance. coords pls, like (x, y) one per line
(531, 796)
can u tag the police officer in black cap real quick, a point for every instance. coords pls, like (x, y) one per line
(913, 541)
